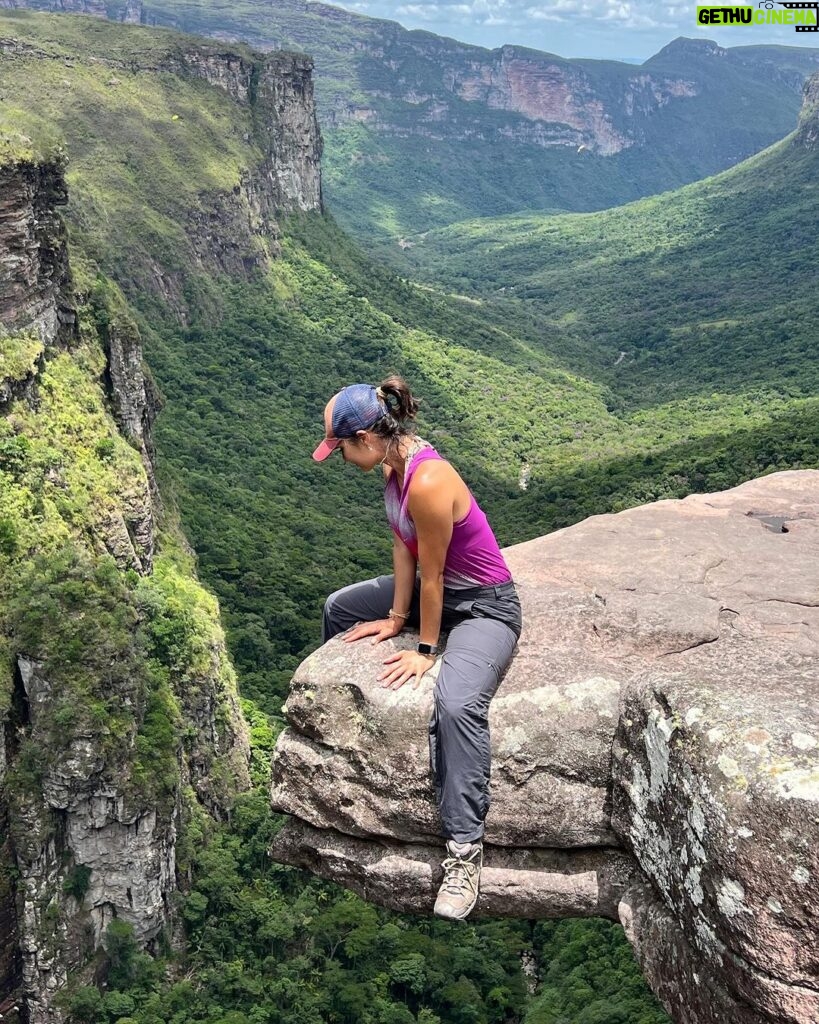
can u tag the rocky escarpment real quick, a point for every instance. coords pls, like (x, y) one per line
(279, 88)
(808, 131)
(655, 751)
(34, 276)
(38, 306)
(109, 742)
(543, 89)
(228, 230)
(237, 231)
(130, 11)
(551, 101)
(554, 102)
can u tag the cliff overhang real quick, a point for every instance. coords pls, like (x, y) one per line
(655, 751)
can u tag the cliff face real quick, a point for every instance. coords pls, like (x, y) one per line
(36, 298)
(560, 94)
(237, 231)
(563, 100)
(808, 131)
(230, 231)
(655, 751)
(103, 759)
(132, 11)
(552, 102)
(280, 90)
(34, 278)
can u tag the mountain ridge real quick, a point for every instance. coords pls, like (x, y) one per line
(422, 131)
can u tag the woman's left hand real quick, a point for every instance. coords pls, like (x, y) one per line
(405, 665)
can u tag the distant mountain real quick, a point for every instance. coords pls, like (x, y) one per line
(423, 131)
(710, 287)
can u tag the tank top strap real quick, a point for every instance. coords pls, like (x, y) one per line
(424, 455)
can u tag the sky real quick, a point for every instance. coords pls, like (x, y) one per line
(615, 29)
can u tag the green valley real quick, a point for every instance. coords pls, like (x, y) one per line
(706, 288)
(510, 331)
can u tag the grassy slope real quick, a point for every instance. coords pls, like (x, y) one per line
(744, 102)
(708, 288)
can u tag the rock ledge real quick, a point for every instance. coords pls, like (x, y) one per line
(655, 751)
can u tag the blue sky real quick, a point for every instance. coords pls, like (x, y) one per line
(572, 28)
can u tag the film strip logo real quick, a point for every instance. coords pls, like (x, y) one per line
(799, 7)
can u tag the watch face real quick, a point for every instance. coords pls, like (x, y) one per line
(427, 649)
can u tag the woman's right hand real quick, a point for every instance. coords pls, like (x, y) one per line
(380, 629)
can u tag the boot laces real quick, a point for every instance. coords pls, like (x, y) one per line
(460, 873)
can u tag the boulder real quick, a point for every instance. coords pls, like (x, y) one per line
(655, 751)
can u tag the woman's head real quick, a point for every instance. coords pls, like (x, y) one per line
(362, 418)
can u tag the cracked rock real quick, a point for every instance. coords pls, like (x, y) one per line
(655, 751)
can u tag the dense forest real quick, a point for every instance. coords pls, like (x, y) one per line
(521, 391)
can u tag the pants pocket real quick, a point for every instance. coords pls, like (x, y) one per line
(504, 609)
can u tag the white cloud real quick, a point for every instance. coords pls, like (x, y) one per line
(478, 12)
(603, 28)
(426, 12)
(537, 15)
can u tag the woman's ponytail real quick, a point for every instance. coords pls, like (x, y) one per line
(399, 400)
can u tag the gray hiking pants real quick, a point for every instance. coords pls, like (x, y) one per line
(484, 625)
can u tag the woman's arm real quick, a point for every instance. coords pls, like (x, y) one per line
(403, 565)
(431, 502)
(432, 512)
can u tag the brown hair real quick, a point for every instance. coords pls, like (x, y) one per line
(402, 408)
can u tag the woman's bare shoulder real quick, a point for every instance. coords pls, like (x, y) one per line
(439, 478)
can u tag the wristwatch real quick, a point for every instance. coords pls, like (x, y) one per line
(427, 649)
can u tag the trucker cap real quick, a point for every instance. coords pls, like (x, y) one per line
(356, 408)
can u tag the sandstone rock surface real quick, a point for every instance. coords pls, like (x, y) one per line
(655, 751)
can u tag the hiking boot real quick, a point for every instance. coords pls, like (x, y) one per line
(462, 874)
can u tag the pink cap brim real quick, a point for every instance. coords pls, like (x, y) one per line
(327, 447)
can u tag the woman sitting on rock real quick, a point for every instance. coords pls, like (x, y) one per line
(464, 588)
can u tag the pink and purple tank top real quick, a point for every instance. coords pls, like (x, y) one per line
(473, 558)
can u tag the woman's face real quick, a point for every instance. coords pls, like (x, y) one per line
(360, 451)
